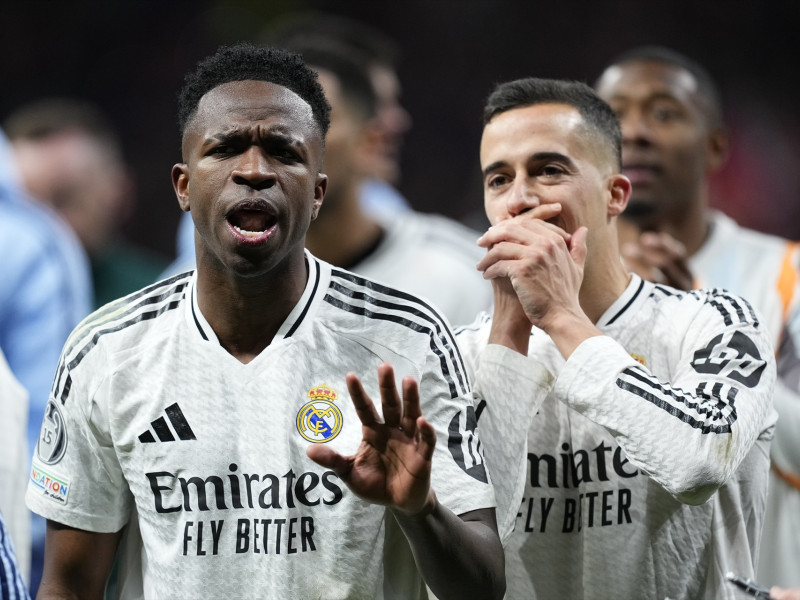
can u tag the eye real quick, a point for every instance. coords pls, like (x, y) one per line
(286, 155)
(666, 112)
(552, 171)
(496, 180)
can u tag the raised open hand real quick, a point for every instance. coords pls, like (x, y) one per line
(392, 466)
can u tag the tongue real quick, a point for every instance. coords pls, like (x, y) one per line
(250, 220)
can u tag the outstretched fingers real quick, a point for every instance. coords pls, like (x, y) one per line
(390, 399)
(425, 438)
(327, 457)
(365, 409)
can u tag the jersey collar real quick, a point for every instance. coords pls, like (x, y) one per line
(634, 291)
(316, 284)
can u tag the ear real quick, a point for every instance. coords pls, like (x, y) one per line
(718, 146)
(619, 191)
(319, 194)
(180, 183)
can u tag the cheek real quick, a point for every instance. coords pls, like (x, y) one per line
(495, 210)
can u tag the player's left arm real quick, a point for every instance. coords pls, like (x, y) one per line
(458, 556)
(689, 430)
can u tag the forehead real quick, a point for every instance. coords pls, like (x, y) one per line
(522, 132)
(239, 104)
(642, 80)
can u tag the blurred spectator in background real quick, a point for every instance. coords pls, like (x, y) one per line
(14, 458)
(12, 586)
(46, 291)
(383, 143)
(673, 140)
(428, 255)
(70, 158)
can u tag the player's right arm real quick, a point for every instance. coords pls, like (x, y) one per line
(76, 563)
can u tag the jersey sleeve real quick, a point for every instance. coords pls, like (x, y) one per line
(509, 389)
(76, 478)
(690, 433)
(459, 474)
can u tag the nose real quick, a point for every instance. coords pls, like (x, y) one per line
(634, 127)
(522, 197)
(254, 169)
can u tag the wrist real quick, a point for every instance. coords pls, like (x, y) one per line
(568, 330)
(430, 505)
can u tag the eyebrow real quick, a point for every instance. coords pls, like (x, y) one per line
(234, 134)
(538, 157)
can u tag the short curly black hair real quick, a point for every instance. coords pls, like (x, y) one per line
(245, 62)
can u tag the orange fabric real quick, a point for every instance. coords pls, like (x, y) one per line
(787, 280)
(790, 478)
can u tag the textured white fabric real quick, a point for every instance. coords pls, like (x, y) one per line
(435, 258)
(211, 452)
(646, 463)
(14, 464)
(750, 263)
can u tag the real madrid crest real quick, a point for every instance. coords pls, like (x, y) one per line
(320, 420)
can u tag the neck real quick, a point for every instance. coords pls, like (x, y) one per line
(689, 224)
(342, 231)
(604, 280)
(247, 312)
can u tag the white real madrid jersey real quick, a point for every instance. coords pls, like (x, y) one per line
(626, 440)
(435, 258)
(149, 415)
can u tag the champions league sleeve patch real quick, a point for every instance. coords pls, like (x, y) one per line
(320, 420)
(464, 446)
(52, 442)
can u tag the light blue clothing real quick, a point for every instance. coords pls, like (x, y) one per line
(12, 587)
(378, 199)
(45, 290)
(381, 200)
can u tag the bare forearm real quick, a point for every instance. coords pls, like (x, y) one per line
(458, 557)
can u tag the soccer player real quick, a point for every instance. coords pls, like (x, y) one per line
(210, 410)
(673, 138)
(643, 412)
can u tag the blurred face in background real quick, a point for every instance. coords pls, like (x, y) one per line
(669, 146)
(388, 129)
(82, 178)
(344, 143)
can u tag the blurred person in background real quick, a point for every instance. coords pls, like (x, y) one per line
(69, 157)
(12, 586)
(384, 142)
(14, 458)
(673, 139)
(428, 255)
(46, 291)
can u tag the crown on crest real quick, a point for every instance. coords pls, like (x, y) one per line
(323, 392)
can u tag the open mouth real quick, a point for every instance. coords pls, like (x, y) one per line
(251, 221)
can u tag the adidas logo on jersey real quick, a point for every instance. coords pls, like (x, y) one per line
(180, 427)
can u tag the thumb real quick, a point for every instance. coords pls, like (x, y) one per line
(577, 246)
